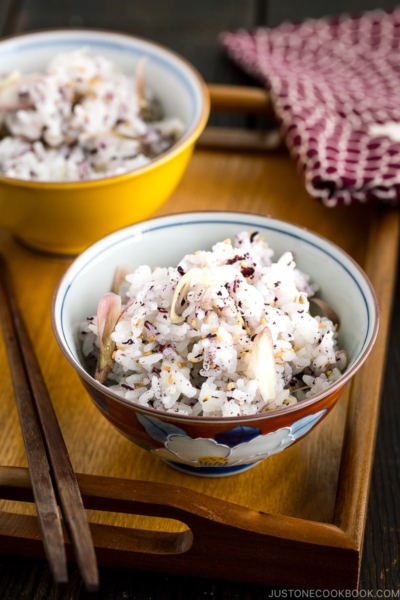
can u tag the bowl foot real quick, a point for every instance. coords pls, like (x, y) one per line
(211, 471)
(46, 253)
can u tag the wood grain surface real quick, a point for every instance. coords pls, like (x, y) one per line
(100, 449)
(265, 184)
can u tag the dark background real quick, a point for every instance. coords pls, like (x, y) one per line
(191, 27)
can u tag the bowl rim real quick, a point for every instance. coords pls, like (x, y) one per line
(165, 157)
(276, 413)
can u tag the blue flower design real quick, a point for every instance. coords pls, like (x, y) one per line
(238, 435)
(239, 445)
(157, 429)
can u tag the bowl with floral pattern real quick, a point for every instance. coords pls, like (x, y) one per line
(215, 446)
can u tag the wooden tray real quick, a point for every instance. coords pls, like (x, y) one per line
(296, 520)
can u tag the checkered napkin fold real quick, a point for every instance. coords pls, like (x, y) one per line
(335, 86)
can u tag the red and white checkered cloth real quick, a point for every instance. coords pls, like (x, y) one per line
(335, 85)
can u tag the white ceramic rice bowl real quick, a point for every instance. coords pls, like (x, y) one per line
(163, 242)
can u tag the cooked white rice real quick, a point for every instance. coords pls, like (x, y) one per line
(202, 366)
(81, 119)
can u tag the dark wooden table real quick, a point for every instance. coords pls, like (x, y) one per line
(191, 28)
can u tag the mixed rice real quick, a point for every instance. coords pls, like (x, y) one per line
(227, 332)
(81, 119)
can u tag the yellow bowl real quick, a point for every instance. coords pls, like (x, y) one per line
(66, 217)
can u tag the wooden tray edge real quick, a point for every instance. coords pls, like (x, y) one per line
(215, 527)
(360, 433)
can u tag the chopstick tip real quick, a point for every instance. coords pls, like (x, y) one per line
(60, 574)
(92, 585)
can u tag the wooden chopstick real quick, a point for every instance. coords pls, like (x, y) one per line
(33, 398)
(39, 470)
